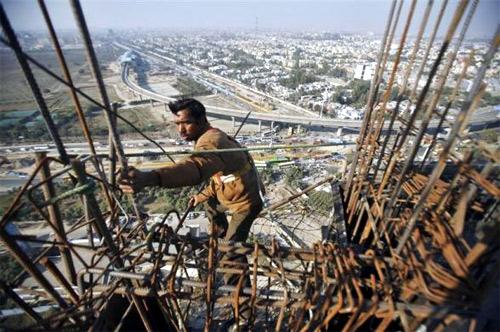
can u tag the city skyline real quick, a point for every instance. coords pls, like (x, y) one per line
(314, 16)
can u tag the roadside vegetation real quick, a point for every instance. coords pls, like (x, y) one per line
(20, 120)
(190, 88)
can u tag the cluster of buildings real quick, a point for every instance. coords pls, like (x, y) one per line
(306, 69)
(269, 62)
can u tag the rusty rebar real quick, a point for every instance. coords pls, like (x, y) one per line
(35, 89)
(55, 215)
(411, 260)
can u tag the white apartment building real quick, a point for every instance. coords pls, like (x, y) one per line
(365, 71)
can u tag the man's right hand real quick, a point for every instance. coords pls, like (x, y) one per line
(133, 180)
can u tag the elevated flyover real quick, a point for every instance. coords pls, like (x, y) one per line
(478, 121)
(229, 113)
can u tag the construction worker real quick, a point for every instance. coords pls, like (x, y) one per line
(233, 187)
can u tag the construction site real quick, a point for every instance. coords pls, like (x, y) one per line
(411, 241)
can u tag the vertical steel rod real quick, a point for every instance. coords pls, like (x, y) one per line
(55, 215)
(37, 94)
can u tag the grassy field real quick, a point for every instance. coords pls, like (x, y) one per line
(139, 116)
(15, 93)
(17, 107)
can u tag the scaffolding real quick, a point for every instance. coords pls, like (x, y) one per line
(421, 216)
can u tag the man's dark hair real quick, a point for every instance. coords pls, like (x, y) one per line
(196, 108)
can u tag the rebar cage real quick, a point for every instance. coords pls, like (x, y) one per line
(420, 211)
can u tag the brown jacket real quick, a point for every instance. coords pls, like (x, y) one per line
(233, 180)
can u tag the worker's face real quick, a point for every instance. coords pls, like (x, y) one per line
(187, 126)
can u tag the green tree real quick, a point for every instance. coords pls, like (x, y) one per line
(489, 136)
(266, 175)
(490, 100)
(321, 201)
(293, 176)
(297, 77)
(325, 68)
(9, 268)
(296, 56)
(359, 92)
(339, 72)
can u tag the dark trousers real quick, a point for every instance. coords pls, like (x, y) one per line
(237, 230)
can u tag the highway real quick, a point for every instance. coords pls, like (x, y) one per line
(227, 113)
(480, 119)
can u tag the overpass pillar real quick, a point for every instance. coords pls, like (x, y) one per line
(272, 125)
(260, 126)
(339, 131)
(234, 121)
(151, 102)
(166, 108)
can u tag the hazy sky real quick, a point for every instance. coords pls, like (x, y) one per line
(334, 15)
